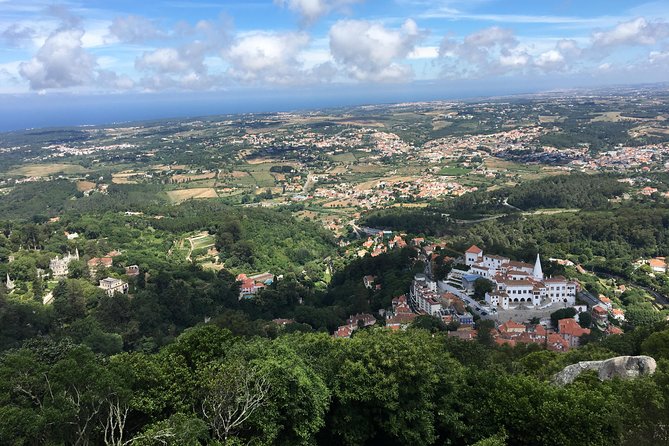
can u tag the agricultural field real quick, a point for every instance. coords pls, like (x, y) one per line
(45, 170)
(181, 195)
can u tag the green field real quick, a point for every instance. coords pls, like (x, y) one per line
(453, 171)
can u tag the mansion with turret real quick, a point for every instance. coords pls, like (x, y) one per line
(518, 283)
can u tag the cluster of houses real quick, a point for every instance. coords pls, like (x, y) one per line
(379, 242)
(353, 323)
(518, 283)
(568, 335)
(60, 268)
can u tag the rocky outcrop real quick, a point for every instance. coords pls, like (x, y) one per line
(623, 367)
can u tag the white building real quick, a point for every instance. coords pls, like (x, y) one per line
(518, 283)
(60, 266)
(111, 286)
(424, 296)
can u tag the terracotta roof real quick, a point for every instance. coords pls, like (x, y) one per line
(657, 263)
(474, 250)
(599, 310)
(571, 327)
(512, 325)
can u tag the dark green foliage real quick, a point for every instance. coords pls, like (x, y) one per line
(36, 198)
(380, 387)
(565, 191)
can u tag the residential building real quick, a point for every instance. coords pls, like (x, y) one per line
(571, 331)
(112, 286)
(96, 263)
(368, 281)
(132, 270)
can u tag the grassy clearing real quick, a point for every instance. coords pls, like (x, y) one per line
(45, 170)
(85, 185)
(178, 196)
(263, 179)
(345, 158)
(454, 171)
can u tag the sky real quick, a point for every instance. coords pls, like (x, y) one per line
(88, 62)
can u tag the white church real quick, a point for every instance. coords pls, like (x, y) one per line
(518, 283)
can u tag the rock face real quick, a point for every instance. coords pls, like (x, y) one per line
(623, 367)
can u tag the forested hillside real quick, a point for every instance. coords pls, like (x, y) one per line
(379, 388)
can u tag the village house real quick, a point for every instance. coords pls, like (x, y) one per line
(368, 281)
(600, 314)
(249, 286)
(112, 286)
(99, 262)
(618, 314)
(571, 331)
(132, 270)
(658, 265)
(401, 315)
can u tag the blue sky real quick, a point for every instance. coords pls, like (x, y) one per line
(58, 60)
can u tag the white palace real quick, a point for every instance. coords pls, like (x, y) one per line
(518, 283)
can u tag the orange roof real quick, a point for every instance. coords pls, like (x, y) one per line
(599, 310)
(474, 250)
(614, 330)
(657, 263)
(511, 325)
(571, 327)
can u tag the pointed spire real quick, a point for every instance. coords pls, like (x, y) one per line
(537, 272)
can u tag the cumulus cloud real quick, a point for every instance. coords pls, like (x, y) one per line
(111, 80)
(634, 32)
(492, 50)
(185, 66)
(16, 35)
(312, 10)
(560, 58)
(368, 51)
(134, 29)
(270, 57)
(176, 67)
(61, 62)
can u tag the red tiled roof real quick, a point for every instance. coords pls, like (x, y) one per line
(571, 327)
(474, 250)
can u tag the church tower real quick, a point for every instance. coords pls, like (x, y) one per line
(537, 273)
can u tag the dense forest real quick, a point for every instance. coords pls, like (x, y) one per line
(378, 388)
(575, 191)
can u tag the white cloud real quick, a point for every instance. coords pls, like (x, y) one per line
(424, 52)
(312, 10)
(550, 58)
(634, 32)
(368, 51)
(134, 29)
(16, 35)
(164, 60)
(61, 62)
(490, 51)
(270, 57)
